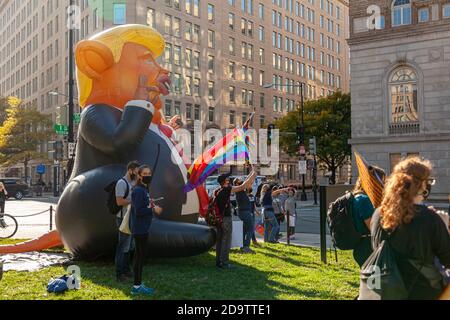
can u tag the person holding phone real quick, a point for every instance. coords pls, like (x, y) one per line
(142, 210)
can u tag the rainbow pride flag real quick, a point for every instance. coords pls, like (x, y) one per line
(232, 147)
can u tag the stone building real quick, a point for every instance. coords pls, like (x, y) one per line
(220, 54)
(400, 83)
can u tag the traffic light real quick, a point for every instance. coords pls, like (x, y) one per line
(312, 146)
(300, 135)
(56, 150)
(62, 115)
(270, 129)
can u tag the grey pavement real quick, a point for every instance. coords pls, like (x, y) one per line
(35, 225)
(307, 226)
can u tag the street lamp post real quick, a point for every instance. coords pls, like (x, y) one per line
(70, 137)
(302, 141)
(302, 128)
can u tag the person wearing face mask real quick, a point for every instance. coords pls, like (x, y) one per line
(415, 232)
(142, 210)
(124, 244)
(244, 209)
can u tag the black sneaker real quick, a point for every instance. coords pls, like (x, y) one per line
(227, 266)
(3, 223)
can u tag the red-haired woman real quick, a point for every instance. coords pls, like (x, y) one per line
(416, 233)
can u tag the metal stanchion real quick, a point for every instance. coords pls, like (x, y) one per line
(51, 218)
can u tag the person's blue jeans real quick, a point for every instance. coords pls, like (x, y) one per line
(123, 249)
(254, 226)
(270, 222)
(249, 229)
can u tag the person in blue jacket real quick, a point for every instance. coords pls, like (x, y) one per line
(362, 211)
(142, 210)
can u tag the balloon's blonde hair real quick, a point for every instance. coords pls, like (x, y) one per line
(115, 39)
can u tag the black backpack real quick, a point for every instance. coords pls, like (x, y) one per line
(340, 221)
(213, 215)
(380, 277)
(111, 202)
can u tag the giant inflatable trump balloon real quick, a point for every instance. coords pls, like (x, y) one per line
(120, 124)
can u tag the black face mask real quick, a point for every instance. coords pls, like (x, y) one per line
(147, 180)
(133, 177)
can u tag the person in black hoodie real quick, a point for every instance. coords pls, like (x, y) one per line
(417, 233)
(142, 209)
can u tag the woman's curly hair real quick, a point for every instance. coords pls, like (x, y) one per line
(402, 186)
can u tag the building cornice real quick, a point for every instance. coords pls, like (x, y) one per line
(378, 35)
(401, 139)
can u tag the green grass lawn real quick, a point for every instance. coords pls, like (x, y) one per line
(274, 272)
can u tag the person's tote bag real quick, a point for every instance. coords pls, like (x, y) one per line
(125, 226)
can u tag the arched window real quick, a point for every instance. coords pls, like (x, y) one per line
(401, 12)
(403, 95)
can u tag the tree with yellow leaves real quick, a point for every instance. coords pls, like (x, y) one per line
(21, 132)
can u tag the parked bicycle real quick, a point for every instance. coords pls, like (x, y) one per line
(8, 226)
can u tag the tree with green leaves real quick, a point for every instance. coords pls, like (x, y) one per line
(328, 119)
(22, 131)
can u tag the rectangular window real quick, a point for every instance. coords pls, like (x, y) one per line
(196, 60)
(211, 89)
(232, 117)
(168, 108)
(211, 114)
(188, 58)
(177, 55)
(231, 21)
(197, 8)
(177, 27)
(211, 64)
(197, 112)
(446, 11)
(232, 91)
(120, 13)
(211, 13)
(424, 15)
(168, 24)
(211, 39)
(188, 111)
(196, 87)
(151, 18)
(188, 86)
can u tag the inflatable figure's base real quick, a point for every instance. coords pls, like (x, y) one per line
(167, 239)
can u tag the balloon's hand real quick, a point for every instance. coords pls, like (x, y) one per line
(175, 123)
(145, 92)
(158, 210)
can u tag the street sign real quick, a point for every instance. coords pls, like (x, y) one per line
(77, 118)
(71, 150)
(61, 129)
(40, 169)
(302, 167)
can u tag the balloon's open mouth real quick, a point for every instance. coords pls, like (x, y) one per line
(164, 84)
